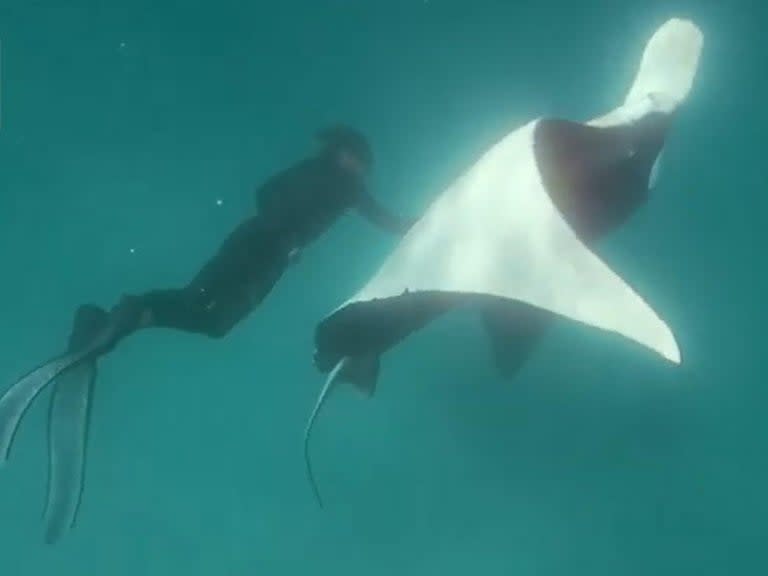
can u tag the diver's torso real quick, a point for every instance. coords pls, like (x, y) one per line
(305, 200)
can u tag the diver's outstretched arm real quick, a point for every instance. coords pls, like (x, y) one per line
(370, 209)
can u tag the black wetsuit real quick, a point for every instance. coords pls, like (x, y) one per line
(295, 207)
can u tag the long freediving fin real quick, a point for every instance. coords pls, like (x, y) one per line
(19, 397)
(332, 379)
(68, 423)
(17, 400)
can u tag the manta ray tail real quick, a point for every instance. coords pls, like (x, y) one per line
(332, 379)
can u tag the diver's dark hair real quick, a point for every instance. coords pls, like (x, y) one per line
(344, 137)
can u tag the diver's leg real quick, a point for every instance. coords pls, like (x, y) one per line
(189, 310)
(89, 321)
(177, 309)
(228, 287)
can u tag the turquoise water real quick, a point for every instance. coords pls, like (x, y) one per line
(125, 124)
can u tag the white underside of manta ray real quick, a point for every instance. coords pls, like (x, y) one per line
(512, 232)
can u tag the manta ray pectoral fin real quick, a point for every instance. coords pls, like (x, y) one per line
(665, 75)
(669, 63)
(330, 382)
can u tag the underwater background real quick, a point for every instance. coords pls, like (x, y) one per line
(133, 135)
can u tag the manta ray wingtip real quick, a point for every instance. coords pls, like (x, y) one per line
(675, 356)
(669, 347)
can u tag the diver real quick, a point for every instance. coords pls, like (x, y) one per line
(294, 208)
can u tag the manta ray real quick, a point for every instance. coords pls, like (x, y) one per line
(512, 236)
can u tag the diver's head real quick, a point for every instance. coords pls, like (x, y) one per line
(348, 147)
